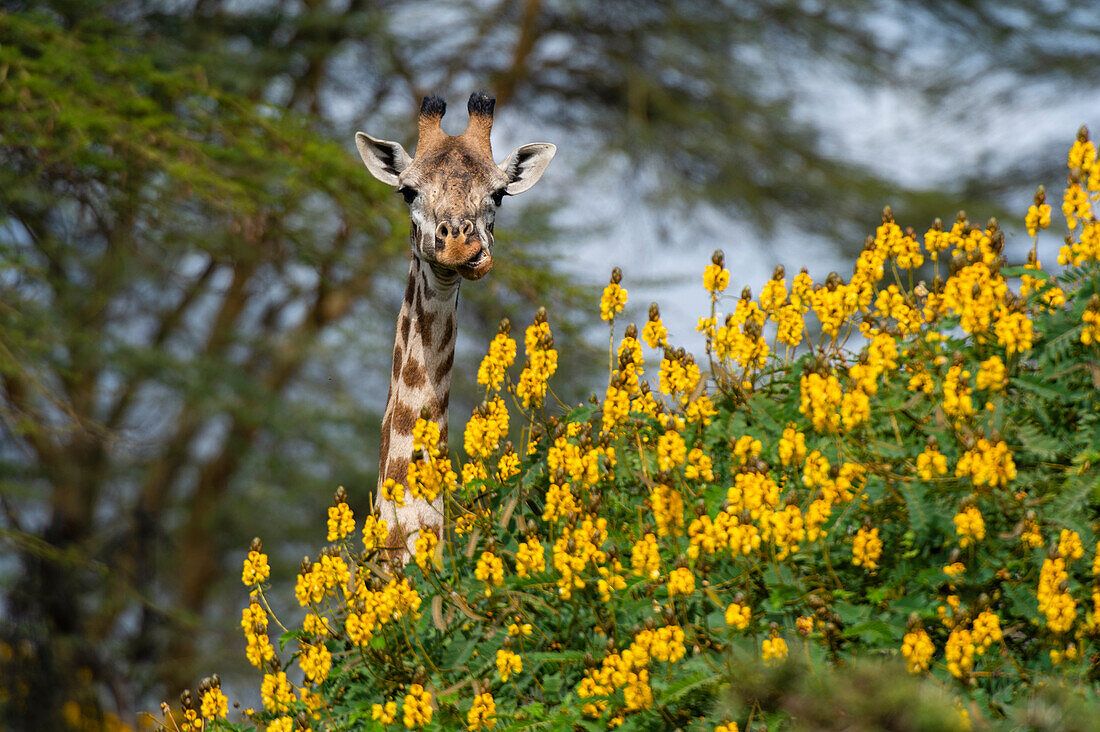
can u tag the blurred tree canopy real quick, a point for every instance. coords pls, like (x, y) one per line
(198, 280)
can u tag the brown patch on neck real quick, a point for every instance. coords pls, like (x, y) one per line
(413, 374)
(395, 543)
(424, 322)
(403, 419)
(398, 469)
(443, 370)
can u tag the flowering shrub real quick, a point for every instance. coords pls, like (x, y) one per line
(918, 484)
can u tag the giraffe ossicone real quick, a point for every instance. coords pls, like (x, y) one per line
(453, 188)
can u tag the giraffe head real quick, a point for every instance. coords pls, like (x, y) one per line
(452, 185)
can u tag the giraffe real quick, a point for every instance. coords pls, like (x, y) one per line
(453, 189)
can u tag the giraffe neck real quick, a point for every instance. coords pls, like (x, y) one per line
(423, 353)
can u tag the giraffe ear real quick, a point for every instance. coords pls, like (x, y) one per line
(525, 166)
(385, 160)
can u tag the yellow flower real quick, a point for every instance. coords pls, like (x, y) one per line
(384, 713)
(716, 278)
(376, 530)
(954, 569)
(316, 625)
(490, 570)
(917, 649)
(931, 463)
(394, 492)
(214, 703)
(738, 616)
(1070, 546)
(276, 692)
(424, 548)
(612, 301)
(1031, 536)
(992, 374)
(501, 355)
(508, 663)
(774, 649)
(671, 450)
(417, 707)
(254, 625)
(482, 714)
(256, 569)
(542, 362)
(681, 582)
(987, 464)
(645, 561)
(969, 526)
(821, 397)
(959, 652)
(530, 557)
(866, 548)
(282, 724)
(341, 521)
(316, 661)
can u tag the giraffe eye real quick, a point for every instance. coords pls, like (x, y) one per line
(498, 197)
(410, 194)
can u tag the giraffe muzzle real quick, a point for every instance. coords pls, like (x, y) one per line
(478, 265)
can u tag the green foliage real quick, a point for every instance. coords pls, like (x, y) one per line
(926, 502)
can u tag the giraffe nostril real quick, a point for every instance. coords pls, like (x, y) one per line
(467, 228)
(443, 230)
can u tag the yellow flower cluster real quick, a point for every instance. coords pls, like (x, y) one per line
(738, 616)
(416, 710)
(530, 557)
(482, 714)
(917, 649)
(490, 570)
(987, 464)
(431, 474)
(1056, 604)
(321, 578)
(821, 397)
(501, 356)
(578, 546)
(256, 569)
(486, 428)
(774, 649)
(959, 652)
(391, 491)
(716, 278)
(316, 661)
(341, 521)
(931, 463)
(276, 692)
(542, 362)
(645, 561)
(214, 703)
(681, 582)
(254, 624)
(866, 548)
(679, 376)
(969, 526)
(668, 510)
(384, 713)
(371, 609)
(1090, 319)
(508, 663)
(613, 299)
(629, 670)
(654, 333)
(424, 548)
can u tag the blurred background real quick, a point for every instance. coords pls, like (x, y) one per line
(199, 280)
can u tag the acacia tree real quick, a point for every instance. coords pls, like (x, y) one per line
(176, 267)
